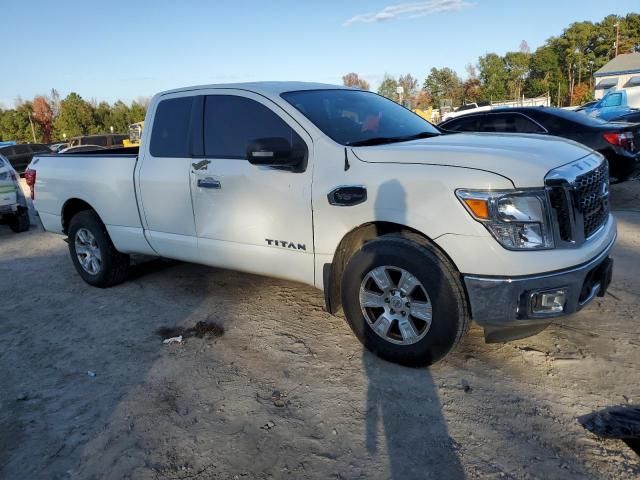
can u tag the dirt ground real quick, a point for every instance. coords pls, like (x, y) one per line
(88, 390)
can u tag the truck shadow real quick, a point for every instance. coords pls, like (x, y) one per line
(414, 432)
(404, 415)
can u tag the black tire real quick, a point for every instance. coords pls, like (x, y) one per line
(441, 280)
(20, 222)
(114, 265)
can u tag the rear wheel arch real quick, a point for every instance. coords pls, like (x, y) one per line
(353, 241)
(70, 208)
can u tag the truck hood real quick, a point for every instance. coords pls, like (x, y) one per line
(524, 159)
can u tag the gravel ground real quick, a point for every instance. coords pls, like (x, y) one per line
(286, 391)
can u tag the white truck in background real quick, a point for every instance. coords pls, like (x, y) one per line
(412, 232)
(14, 210)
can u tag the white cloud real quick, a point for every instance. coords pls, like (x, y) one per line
(409, 10)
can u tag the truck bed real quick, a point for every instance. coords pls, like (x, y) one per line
(103, 179)
(103, 152)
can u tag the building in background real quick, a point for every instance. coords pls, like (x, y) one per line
(621, 73)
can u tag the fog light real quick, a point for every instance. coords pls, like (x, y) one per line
(548, 302)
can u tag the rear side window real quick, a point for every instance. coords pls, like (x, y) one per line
(509, 123)
(171, 134)
(231, 122)
(40, 149)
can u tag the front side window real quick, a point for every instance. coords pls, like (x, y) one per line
(232, 122)
(171, 133)
(357, 118)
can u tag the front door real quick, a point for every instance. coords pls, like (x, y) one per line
(251, 218)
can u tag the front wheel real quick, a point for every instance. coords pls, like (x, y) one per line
(92, 252)
(404, 300)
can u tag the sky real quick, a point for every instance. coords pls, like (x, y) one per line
(135, 48)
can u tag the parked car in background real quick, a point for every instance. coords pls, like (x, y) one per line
(20, 155)
(630, 117)
(14, 210)
(614, 104)
(585, 105)
(56, 147)
(618, 142)
(81, 148)
(108, 140)
(464, 109)
(412, 232)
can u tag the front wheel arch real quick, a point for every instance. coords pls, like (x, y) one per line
(352, 242)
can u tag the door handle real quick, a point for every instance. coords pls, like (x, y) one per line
(209, 183)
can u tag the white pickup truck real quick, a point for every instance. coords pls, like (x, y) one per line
(412, 232)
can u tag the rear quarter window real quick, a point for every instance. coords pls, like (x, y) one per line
(170, 135)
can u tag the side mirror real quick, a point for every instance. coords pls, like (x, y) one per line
(275, 151)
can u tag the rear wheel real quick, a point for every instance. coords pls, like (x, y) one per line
(92, 252)
(20, 222)
(404, 300)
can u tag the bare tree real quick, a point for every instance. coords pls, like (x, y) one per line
(353, 80)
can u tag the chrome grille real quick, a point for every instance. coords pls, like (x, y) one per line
(592, 198)
(560, 204)
(579, 198)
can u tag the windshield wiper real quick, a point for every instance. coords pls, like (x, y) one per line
(382, 140)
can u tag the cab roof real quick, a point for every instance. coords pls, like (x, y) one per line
(264, 88)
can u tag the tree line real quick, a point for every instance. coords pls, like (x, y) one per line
(562, 68)
(49, 118)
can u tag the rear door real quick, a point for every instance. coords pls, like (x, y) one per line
(164, 183)
(252, 218)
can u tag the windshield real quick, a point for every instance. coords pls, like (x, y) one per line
(354, 117)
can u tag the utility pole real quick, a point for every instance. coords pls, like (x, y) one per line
(400, 92)
(558, 99)
(617, 25)
(33, 131)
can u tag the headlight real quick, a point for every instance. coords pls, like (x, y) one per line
(519, 220)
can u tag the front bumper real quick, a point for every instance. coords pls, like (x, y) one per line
(502, 305)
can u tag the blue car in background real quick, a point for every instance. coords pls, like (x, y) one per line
(614, 104)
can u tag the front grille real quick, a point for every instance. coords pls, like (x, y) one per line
(561, 206)
(580, 204)
(592, 198)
